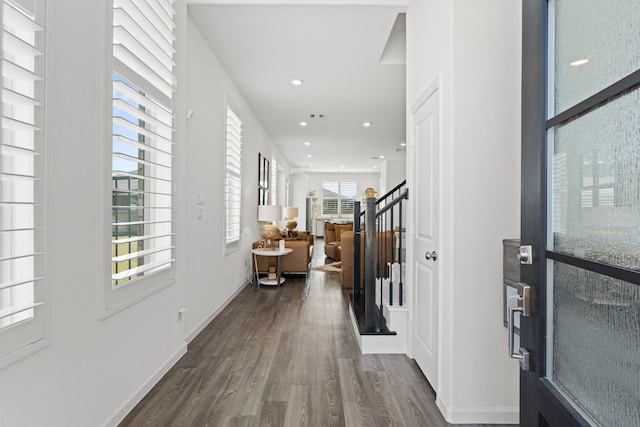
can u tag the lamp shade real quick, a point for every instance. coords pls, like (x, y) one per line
(290, 212)
(269, 212)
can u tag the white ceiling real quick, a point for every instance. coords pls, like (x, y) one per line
(336, 51)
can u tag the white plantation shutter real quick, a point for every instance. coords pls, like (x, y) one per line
(330, 192)
(273, 185)
(22, 181)
(348, 192)
(142, 144)
(338, 197)
(233, 187)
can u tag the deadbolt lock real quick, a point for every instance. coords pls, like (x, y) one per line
(525, 255)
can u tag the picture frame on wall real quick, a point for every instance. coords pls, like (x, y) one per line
(264, 180)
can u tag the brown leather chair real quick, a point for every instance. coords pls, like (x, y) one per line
(332, 239)
(382, 251)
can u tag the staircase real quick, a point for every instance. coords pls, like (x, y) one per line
(379, 316)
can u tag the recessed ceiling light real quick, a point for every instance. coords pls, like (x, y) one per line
(403, 144)
(303, 123)
(296, 82)
(309, 156)
(366, 124)
(307, 143)
(579, 62)
(375, 166)
(382, 157)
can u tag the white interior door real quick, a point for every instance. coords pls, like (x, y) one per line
(425, 195)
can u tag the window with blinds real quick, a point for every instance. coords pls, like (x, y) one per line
(330, 197)
(22, 180)
(142, 237)
(232, 183)
(274, 181)
(338, 197)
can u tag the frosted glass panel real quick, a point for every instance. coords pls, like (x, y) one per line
(605, 35)
(595, 187)
(596, 344)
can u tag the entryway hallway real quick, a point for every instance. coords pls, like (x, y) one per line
(287, 356)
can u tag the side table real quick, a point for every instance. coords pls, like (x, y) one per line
(269, 252)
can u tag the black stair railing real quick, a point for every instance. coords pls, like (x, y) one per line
(382, 222)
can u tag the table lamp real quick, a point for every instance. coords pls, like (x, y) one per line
(269, 213)
(291, 213)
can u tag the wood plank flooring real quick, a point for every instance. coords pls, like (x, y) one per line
(287, 356)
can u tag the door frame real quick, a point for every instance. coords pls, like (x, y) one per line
(537, 395)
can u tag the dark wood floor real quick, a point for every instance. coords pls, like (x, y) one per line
(287, 356)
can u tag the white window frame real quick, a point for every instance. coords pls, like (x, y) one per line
(23, 326)
(140, 122)
(232, 205)
(340, 199)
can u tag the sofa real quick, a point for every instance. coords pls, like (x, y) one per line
(295, 262)
(332, 238)
(384, 252)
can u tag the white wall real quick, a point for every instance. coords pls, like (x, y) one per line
(213, 277)
(472, 49)
(395, 173)
(94, 370)
(298, 197)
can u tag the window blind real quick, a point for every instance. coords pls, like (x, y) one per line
(330, 192)
(274, 181)
(233, 187)
(348, 191)
(338, 197)
(22, 151)
(142, 139)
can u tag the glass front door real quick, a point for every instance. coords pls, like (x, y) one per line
(581, 211)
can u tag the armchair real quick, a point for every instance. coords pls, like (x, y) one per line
(332, 239)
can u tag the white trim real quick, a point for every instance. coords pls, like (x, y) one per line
(478, 415)
(28, 349)
(215, 313)
(146, 388)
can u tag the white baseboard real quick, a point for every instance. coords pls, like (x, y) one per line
(146, 388)
(479, 415)
(215, 313)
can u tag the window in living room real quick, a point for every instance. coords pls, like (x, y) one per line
(232, 186)
(338, 197)
(142, 234)
(22, 151)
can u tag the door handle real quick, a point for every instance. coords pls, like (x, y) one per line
(431, 255)
(524, 308)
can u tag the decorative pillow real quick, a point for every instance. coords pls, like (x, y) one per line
(342, 227)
